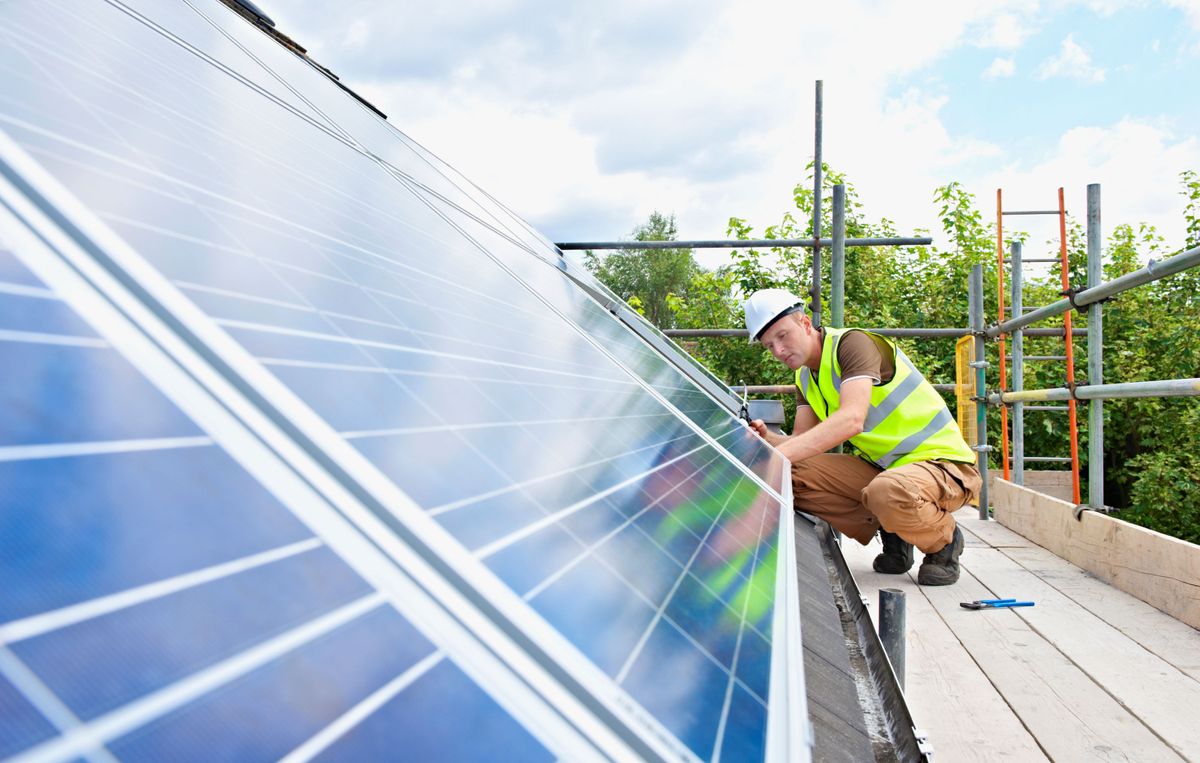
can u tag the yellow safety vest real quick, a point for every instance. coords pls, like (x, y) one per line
(907, 420)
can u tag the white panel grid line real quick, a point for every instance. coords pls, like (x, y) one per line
(368, 343)
(47, 702)
(74, 449)
(389, 370)
(20, 290)
(346, 722)
(368, 433)
(46, 622)
(134, 715)
(502, 543)
(451, 506)
(66, 340)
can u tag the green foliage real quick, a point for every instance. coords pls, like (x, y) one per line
(1164, 497)
(651, 278)
(1190, 181)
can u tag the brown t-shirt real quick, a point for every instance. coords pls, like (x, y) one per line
(862, 354)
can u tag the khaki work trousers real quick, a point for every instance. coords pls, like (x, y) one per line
(915, 501)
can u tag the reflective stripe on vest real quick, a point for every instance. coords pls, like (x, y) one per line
(907, 419)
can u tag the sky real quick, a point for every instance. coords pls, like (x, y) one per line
(585, 117)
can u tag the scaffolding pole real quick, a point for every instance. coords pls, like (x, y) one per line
(975, 299)
(747, 243)
(1158, 388)
(938, 333)
(815, 289)
(837, 290)
(1018, 367)
(1095, 352)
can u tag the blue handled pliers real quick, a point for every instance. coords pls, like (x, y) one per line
(994, 604)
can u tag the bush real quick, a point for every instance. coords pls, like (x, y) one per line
(1164, 494)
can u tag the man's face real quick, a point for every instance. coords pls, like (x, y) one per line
(787, 339)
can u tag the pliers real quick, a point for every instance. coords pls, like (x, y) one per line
(994, 604)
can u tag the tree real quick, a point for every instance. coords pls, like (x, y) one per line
(648, 279)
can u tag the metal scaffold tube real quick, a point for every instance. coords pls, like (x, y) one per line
(1101, 291)
(815, 290)
(1018, 370)
(975, 299)
(749, 243)
(837, 293)
(1161, 388)
(939, 333)
(1096, 350)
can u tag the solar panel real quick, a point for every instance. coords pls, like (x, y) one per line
(412, 354)
(160, 602)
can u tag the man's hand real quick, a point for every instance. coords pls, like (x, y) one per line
(761, 430)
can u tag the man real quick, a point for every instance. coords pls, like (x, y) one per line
(911, 469)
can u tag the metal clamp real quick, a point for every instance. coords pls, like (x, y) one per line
(1072, 292)
(980, 364)
(982, 448)
(923, 745)
(1078, 510)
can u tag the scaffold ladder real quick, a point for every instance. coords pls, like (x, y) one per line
(1068, 340)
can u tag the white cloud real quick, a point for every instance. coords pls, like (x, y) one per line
(1072, 62)
(1007, 31)
(1139, 185)
(1000, 67)
(1190, 8)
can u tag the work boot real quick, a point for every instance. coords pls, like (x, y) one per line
(941, 567)
(897, 556)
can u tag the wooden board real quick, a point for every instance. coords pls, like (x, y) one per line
(1156, 692)
(1158, 569)
(950, 698)
(1070, 715)
(1156, 631)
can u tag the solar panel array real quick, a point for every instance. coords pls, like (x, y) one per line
(310, 448)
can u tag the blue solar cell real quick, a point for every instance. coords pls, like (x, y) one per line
(83, 394)
(745, 727)
(441, 717)
(23, 725)
(280, 705)
(690, 703)
(126, 519)
(606, 623)
(35, 314)
(105, 662)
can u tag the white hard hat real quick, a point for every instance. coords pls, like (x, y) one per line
(766, 306)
